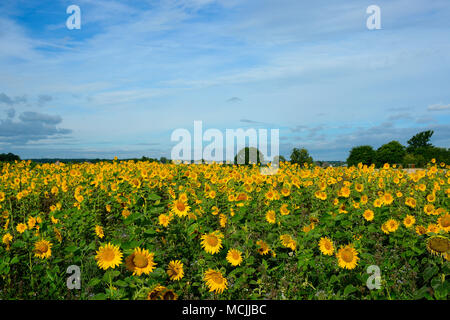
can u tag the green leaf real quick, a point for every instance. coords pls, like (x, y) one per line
(153, 196)
(429, 272)
(100, 296)
(349, 289)
(94, 282)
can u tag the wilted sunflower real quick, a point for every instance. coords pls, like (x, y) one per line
(347, 257)
(169, 295)
(212, 242)
(438, 245)
(326, 246)
(215, 281)
(140, 262)
(108, 256)
(234, 257)
(156, 293)
(42, 249)
(175, 270)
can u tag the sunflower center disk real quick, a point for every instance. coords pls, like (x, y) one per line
(140, 261)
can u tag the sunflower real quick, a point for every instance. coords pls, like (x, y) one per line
(180, 208)
(271, 216)
(164, 220)
(288, 242)
(175, 270)
(444, 222)
(169, 295)
(31, 222)
(42, 249)
(99, 231)
(234, 257)
(326, 246)
(215, 281)
(347, 257)
(140, 262)
(263, 247)
(6, 239)
(368, 215)
(392, 225)
(388, 198)
(21, 227)
(432, 228)
(156, 293)
(222, 220)
(108, 256)
(409, 221)
(421, 230)
(438, 245)
(428, 209)
(284, 210)
(212, 242)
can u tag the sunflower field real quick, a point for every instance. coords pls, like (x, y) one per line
(145, 230)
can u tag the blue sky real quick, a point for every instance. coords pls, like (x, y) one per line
(138, 70)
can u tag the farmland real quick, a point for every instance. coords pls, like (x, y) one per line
(146, 230)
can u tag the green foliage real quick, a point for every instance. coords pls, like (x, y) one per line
(392, 153)
(248, 155)
(364, 154)
(301, 156)
(9, 157)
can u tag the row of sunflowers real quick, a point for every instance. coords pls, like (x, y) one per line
(145, 230)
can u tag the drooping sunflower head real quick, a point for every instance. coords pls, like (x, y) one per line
(347, 257)
(212, 242)
(326, 246)
(140, 262)
(42, 249)
(438, 245)
(175, 270)
(215, 281)
(108, 256)
(169, 295)
(156, 293)
(288, 242)
(234, 257)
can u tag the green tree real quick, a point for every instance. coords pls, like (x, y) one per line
(392, 152)
(420, 140)
(9, 157)
(301, 156)
(248, 155)
(363, 154)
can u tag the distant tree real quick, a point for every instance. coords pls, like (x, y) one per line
(163, 160)
(9, 157)
(363, 154)
(420, 140)
(248, 155)
(301, 156)
(392, 152)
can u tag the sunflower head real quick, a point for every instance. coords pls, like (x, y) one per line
(438, 245)
(326, 246)
(175, 270)
(347, 257)
(234, 257)
(108, 256)
(42, 249)
(212, 242)
(140, 261)
(215, 281)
